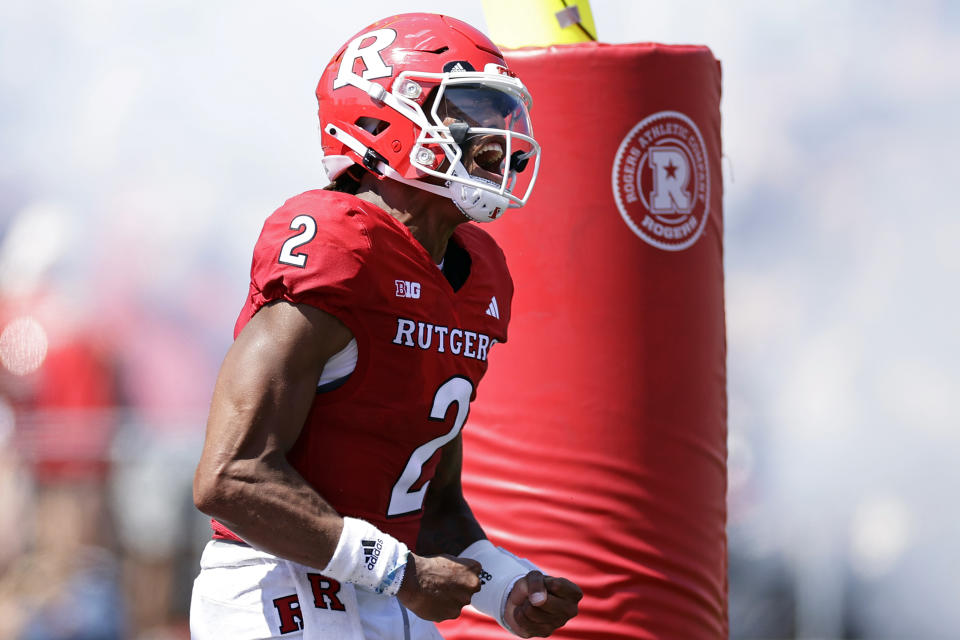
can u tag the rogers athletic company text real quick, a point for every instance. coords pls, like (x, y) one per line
(459, 342)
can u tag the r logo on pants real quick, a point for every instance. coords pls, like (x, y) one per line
(325, 596)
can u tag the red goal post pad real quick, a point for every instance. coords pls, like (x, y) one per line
(597, 445)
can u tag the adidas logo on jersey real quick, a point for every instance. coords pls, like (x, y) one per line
(371, 552)
(493, 309)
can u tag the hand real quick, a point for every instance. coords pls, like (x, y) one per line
(538, 605)
(437, 588)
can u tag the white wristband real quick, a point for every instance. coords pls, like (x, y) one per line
(501, 571)
(368, 558)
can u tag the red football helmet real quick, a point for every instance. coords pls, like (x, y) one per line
(428, 100)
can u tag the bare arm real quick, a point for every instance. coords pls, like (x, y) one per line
(263, 395)
(264, 391)
(449, 525)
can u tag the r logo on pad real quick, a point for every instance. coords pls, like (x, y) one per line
(661, 180)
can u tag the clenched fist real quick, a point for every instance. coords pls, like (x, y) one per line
(438, 587)
(538, 605)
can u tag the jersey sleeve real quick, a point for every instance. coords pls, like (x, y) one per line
(312, 250)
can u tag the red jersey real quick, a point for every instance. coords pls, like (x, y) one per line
(371, 445)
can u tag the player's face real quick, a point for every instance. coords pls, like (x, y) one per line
(482, 109)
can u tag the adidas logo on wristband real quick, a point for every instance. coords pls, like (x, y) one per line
(371, 552)
(501, 572)
(368, 558)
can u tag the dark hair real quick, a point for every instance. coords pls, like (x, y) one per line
(347, 182)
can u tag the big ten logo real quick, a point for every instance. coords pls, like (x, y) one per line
(661, 181)
(406, 289)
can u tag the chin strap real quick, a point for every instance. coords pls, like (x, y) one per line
(371, 159)
(477, 204)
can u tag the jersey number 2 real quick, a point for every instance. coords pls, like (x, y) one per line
(402, 499)
(308, 228)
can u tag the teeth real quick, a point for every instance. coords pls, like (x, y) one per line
(492, 146)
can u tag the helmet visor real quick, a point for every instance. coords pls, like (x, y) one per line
(492, 128)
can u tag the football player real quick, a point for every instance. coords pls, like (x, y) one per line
(331, 466)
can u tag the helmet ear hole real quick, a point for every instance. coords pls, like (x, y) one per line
(373, 126)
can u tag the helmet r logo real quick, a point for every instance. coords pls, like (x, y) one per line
(661, 181)
(369, 54)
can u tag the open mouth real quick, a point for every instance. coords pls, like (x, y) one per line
(487, 155)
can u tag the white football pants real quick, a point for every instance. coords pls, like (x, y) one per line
(246, 594)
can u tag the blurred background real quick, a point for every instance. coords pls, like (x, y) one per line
(142, 145)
